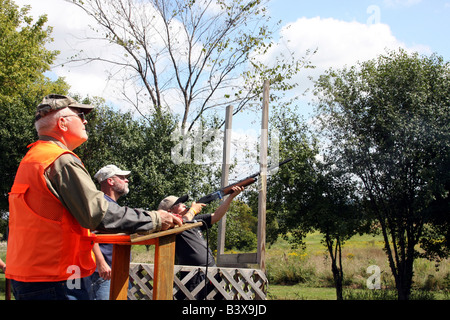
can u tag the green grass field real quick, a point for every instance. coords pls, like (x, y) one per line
(300, 292)
(296, 274)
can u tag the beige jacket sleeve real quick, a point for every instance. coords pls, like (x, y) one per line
(70, 182)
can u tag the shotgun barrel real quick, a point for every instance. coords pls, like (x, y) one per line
(219, 194)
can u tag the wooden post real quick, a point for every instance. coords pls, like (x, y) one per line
(164, 242)
(261, 250)
(225, 170)
(119, 276)
(164, 259)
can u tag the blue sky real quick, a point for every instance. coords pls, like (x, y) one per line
(414, 22)
(344, 32)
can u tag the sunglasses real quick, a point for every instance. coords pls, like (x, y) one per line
(81, 115)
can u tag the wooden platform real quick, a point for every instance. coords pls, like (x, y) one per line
(164, 242)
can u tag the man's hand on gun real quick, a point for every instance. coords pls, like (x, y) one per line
(190, 213)
(236, 191)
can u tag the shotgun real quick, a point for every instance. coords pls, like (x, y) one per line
(219, 194)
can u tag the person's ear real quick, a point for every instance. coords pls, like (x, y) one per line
(62, 124)
(110, 181)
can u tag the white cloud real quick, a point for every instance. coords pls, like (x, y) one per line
(71, 26)
(339, 44)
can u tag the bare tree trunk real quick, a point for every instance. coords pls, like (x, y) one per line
(335, 252)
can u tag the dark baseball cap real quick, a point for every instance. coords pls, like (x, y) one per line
(54, 102)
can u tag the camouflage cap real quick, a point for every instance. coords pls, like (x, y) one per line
(54, 102)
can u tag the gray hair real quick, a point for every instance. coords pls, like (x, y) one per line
(48, 123)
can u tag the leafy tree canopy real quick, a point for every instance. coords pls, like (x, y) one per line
(23, 61)
(387, 123)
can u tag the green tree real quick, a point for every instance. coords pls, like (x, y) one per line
(312, 195)
(23, 61)
(289, 187)
(387, 122)
(333, 210)
(23, 56)
(142, 146)
(240, 233)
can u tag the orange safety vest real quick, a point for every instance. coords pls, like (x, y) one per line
(45, 242)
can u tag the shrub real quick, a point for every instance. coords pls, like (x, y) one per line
(291, 269)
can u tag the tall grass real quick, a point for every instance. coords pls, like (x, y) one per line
(312, 268)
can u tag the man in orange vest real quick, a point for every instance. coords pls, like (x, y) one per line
(54, 203)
